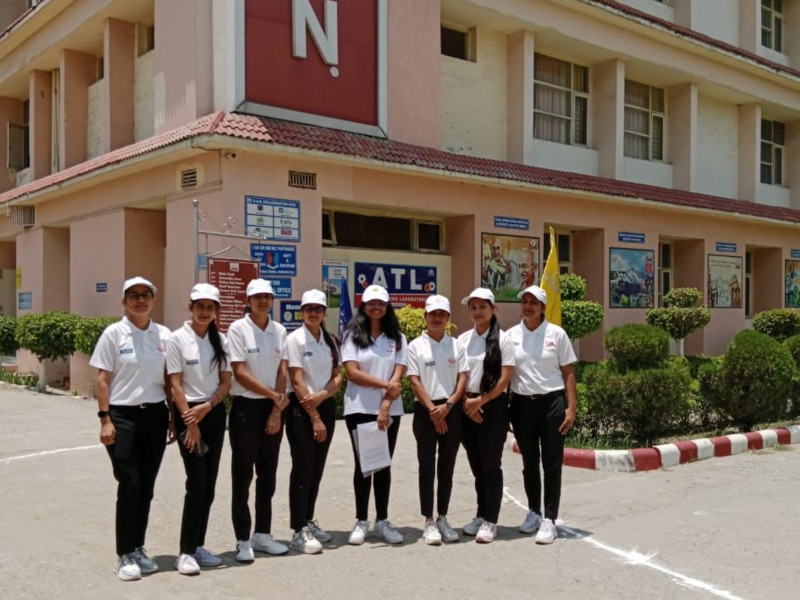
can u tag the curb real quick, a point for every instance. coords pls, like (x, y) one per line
(665, 456)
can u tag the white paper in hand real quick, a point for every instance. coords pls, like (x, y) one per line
(373, 448)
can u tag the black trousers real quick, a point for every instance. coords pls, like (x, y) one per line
(381, 481)
(201, 478)
(484, 444)
(252, 450)
(308, 458)
(136, 458)
(429, 468)
(536, 422)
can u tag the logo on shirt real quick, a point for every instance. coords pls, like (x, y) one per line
(308, 353)
(276, 352)
(160, 349)
(253, 350)
(192, 361)
(430, 363)
(550, 344)
(451, 362)
(391, 346)
(126, 351)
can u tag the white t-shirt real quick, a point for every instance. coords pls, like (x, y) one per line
(379, 360)
(302, 351)
(136, 358)
(474, 346)
(261, 351)
(539, 355)
(437, 364)
(192, 355)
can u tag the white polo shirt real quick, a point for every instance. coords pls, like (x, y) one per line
(136, 358)
(261, 351)
(192, 355)
(437, 364)
(474, 347)
(379, 360)
(303, 351)
(539, 355)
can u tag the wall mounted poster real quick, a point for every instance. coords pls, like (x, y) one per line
(631, 278)
(509, 264)
(724, 281)
(792, 289)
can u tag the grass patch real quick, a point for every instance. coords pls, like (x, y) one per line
(605, 442)
(15, 378)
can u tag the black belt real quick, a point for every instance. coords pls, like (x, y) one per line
(142, 406)
(473, 394)
(546, 396)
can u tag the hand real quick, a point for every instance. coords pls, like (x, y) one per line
(439, 413)
(569, 421)
(281, 402)
(196, 414)
(320, 431)
(440, 426)
(171, 437)
(392, 390)
(472, 405)
(191, 440)
(477, 416)
(108, 433)
(313, 400)
(274, 423)
(383, 416)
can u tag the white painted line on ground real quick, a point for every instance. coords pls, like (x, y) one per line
(46, 452)
(637, 559)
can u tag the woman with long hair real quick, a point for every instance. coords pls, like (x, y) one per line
(374, 354)
(200, 377)
(490, 356)
(312, 355)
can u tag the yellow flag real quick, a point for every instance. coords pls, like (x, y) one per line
(550, 283)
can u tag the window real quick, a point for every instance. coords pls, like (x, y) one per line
(564, 248)
(458, 43)
(327, 228)
(664, 270)
(748, 288)
(18, 153)
(644, 121)
(773, 134)
(381, 232)
(429, 237)
(560, 101)
(145, 38)
(772, 24)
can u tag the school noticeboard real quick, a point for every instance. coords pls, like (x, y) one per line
(291, 315)
(231, 277)
(406, 284)
(272, 219)
(792, 288)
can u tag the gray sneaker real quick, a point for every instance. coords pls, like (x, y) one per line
(305, 542)
(127, 568)
(146, 564)
(322, 535)
(448, 533)
(386, 531)
(531, 523)
(473, 526)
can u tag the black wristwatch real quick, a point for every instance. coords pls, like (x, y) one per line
(449, 405)
(102, 413)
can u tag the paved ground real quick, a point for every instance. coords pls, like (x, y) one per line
(721, 528)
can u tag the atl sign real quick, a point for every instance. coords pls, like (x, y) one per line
(316, 61)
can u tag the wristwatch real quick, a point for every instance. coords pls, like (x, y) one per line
(449, 405)
(102, 413)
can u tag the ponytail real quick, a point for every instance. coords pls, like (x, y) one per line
(220, 359)
(492, 360)
(332, 344)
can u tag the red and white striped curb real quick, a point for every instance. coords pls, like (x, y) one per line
(665, 456)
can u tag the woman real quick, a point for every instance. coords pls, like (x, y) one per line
(200, 377)
(315, 376)
(490, 357)
(437, 370)
(543, 401)
(130, 357)
(256, 344)
(374, 356)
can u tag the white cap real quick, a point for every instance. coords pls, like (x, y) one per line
(482, 293)
(129, 283)
(437, 302)
(314, 297)
(536, 292)
(204, 291)
(259, 286)
(375, 292)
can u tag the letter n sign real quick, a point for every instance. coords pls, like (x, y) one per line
(321, 62)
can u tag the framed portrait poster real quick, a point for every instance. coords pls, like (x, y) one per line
(631, 278)
(509, 264)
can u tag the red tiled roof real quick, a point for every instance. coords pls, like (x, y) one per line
(694, 35)
(389, 153)
(17, 21)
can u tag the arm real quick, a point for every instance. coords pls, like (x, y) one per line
(198, 413)
(192, 440)
(390, 396)
(570, 384)
(439, 413)
(472, 406)
(108, 433)
(359, 377)
(274, 421)
(249, 382)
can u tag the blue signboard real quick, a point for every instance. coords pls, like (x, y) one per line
(281, 285)
(272, 219)
(24, 300)
(101, 286)
(275, 259)
(795, 253)
(726, 247)
(291, 315)
(406, 284)
(511, 223)
(627, 237)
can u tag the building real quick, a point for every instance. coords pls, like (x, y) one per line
(427, 143)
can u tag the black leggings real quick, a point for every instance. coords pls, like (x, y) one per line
(429, 468)
(381, 481)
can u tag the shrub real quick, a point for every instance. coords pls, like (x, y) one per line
(580, 318)
(695, 362)
(780, 323)
(583, 368)
(88, 332)
(634, 346)
(50, 335)
(573, 287)
(412, 322)
(8, 332)
(680, 316)
(686, 297)
(793, 346)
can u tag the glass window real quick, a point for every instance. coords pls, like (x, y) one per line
(429, 236)
(664, 270)
(560, 101)
(645, 112)
(564, 249)
(773, 139)
(365, 231)
(455, 43)
(772, 24)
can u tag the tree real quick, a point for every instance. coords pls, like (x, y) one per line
(680, 316)
(579, 317)
(49, 335)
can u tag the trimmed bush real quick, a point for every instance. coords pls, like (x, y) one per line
(780, 323)
(793, 346)
(88, 332)
(579, 317)
(412, 322)
(573, 287)
(686, 297)
(8, 332)
(49, 336)
(695, 362)
(634, 346)
(680, 316)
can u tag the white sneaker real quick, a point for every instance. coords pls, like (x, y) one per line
(322, 535)
(305, 542)
(472, 527)
(448, 533)
(244, 552)
(146, 564)
(127, 569)
(431, 534)
(359, 533)
(386, 531)
(264, 542)
(187, 565)
(486, 533)
(531, 522)
(547, 532)
(205, 558)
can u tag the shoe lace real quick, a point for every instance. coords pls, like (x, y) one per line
(312, 525)
(443, 522)
(128, 560)
(307, 534)
(140, 554)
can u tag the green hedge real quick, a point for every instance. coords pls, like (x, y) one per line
(88, 332)
(49, 335)
(634, 347)
(8, 331)
(780, 323)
